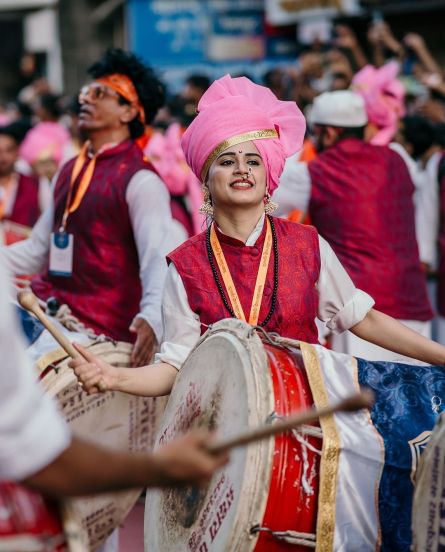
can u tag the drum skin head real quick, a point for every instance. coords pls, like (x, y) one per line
(225, 387)
(428, 522)
(114, 420)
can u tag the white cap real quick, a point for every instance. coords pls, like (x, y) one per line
(341, 108)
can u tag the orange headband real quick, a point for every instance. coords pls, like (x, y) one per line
(123, 86)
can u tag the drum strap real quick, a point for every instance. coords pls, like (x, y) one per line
(228, 281)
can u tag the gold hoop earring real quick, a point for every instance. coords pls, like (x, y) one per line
(269, 205)
(207, 207)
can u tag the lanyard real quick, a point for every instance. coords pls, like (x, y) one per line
(228, 281)
(71, 206)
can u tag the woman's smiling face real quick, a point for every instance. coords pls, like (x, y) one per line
(237, 177)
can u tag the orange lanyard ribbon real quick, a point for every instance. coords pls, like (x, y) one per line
(228, 281)
(71, 206)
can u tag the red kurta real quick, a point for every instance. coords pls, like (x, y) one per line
(361, 203)
(26, 208)
(298, 273)
(104, 290)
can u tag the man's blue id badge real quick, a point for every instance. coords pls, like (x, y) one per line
(61, 254)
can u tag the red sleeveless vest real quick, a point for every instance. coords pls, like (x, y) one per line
(441, 271)
(361, 203)
(298, 273)
(26, 208)
(104, 290)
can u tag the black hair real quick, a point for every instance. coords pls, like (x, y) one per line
(352, 132)
(199, 81)
(149, 88)
(51, 104)
(419, 133)
(16, 130)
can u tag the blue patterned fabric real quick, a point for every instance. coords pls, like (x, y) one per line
(31, 327)
(408, 401)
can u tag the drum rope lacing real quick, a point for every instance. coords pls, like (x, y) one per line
(275, 339)
(306, 478)
(291, 537)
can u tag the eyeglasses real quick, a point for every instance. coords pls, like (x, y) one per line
(94, 92)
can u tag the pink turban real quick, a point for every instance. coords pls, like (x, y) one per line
(384, 99)
(233, 111)
(47, 140)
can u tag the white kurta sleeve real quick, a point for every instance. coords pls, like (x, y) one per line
(30, 256)
(341, 304)
(294, 191)
(182, 327)
(149, 207)
(32, 432)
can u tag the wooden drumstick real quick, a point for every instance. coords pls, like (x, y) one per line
(350, 404)
(28, 301)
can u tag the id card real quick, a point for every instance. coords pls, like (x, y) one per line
(61, 254)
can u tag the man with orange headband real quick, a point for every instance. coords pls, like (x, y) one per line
(100, 246)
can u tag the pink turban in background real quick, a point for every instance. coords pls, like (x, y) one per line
(384, 99)
(233, 111)
(46, 140)
(165, 152)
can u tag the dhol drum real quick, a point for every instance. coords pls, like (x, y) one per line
(28, 521)
(112, 419)
(266, 497)
(428, 521)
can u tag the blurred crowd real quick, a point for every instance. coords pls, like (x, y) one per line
(401, 81)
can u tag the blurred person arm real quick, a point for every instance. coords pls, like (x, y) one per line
(294, 191)
(85, 468)
(31, 255)
(433, 110)
(418, 45)
(347, 39)
(149, 206)
(381, 37)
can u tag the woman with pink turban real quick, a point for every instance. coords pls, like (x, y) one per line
(268, 271)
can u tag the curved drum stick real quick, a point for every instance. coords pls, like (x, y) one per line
(28, 301)
(350, 404)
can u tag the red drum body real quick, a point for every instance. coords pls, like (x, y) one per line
(28, 521)
(265, 499)
(290, 506)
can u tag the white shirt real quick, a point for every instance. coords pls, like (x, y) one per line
(341, 305)
(149, 208)
(294, 192)
(32, 432)
(429, 202)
